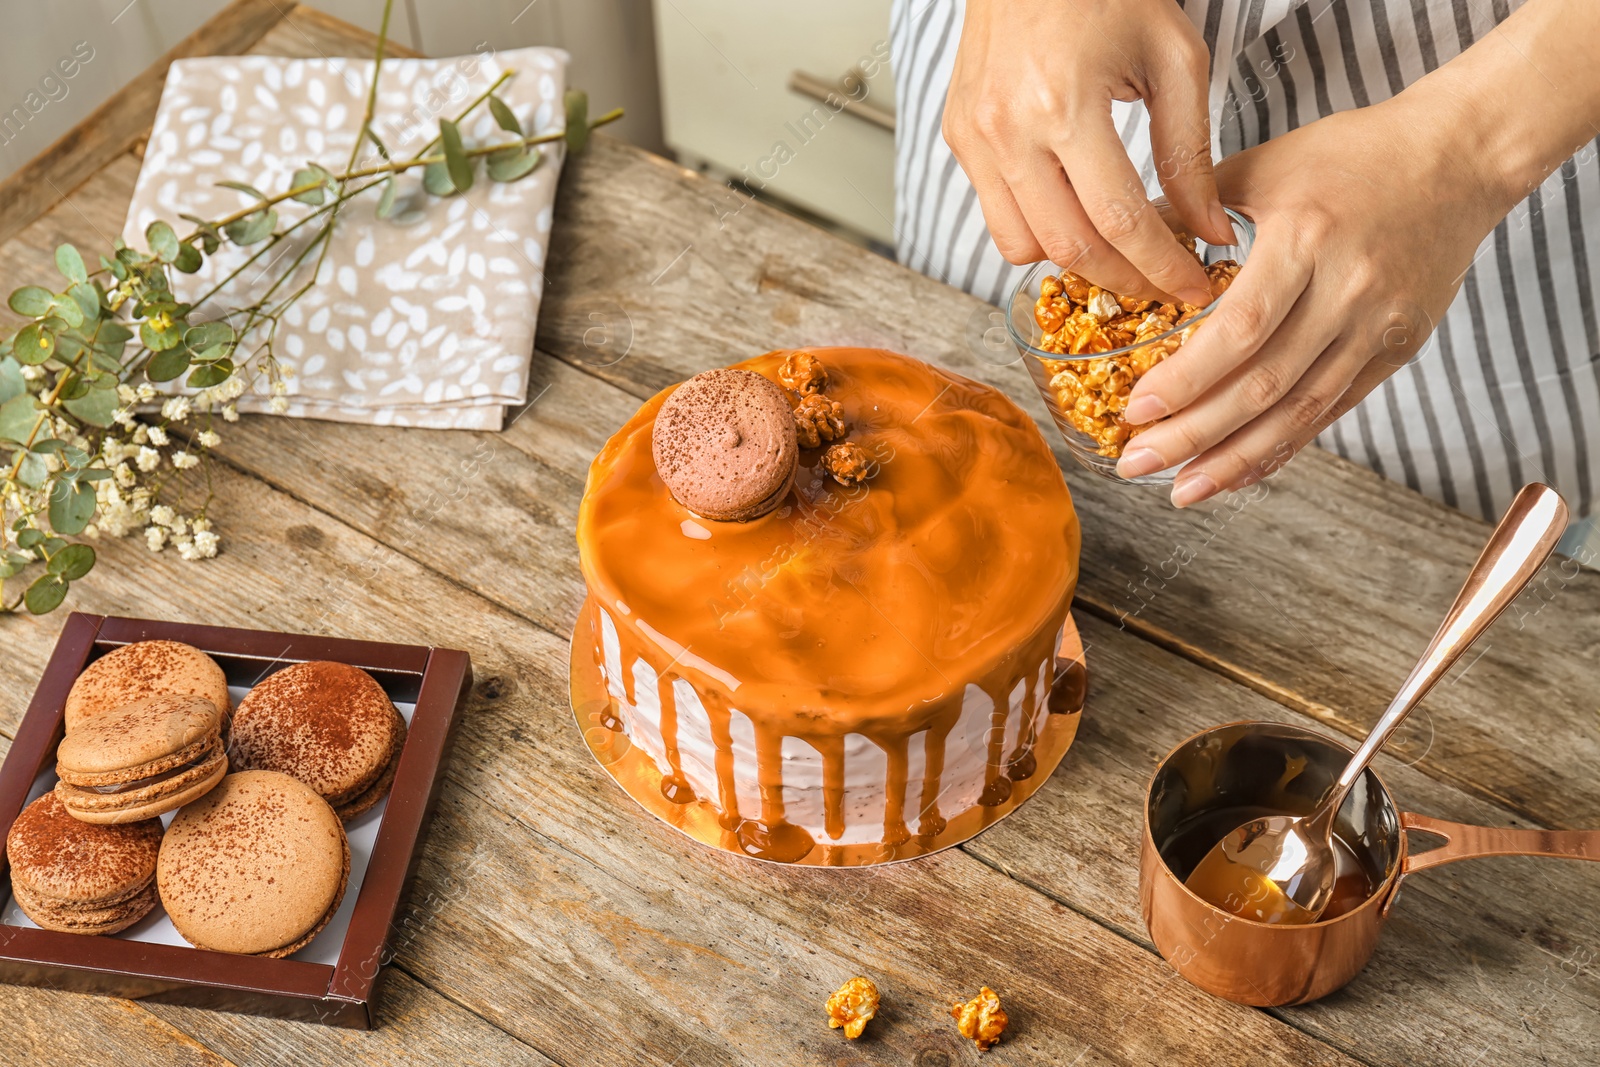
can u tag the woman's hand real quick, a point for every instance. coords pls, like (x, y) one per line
(1029, 119)
(1366, 222)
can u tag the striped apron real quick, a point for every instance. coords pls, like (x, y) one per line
(1507, 389)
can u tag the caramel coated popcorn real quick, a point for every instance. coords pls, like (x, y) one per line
(1081, 319)
(848, 463)
(852, 1006)
(804, 373)
(818, 419)
(982, 1018)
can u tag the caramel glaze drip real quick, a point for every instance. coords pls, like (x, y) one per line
(862, 610)
(674, 786)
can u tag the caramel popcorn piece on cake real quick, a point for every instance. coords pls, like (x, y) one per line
(852, 1006)
(818, 419)
(848, 463)
(981, 1018)
(804, 373)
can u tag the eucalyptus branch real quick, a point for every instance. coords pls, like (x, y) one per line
(102, 470)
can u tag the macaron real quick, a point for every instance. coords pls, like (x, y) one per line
(142, 760)
(257, 866)
(78, 878)
(724, 444)
(142, 669)
(328, 724)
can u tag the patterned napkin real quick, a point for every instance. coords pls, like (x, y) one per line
(424, 318)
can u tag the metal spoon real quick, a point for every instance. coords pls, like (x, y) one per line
(1280, 869)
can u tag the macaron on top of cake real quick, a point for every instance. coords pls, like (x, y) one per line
(724, 443)
(142, 669)
(328, 724)
(256, 866)
(147, 758)
(79, 878)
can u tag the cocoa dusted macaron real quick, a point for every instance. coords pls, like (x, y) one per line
(328, 724)
(142, 669)
(257, 866)
(724, 444)
(148, 758)
(77, 878)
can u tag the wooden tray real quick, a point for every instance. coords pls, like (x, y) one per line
(435, 679)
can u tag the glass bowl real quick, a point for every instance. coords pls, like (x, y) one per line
(1044, 366)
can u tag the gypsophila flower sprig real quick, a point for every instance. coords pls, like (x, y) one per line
(89, 448)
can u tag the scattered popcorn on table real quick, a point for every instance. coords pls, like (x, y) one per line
(852, 1006)
(982, 1018)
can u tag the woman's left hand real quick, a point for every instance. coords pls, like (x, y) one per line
(1366, 223)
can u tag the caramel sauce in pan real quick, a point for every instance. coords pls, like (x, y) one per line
(847, 610)
(1252, 895)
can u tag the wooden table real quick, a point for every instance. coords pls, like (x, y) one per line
(554, 922)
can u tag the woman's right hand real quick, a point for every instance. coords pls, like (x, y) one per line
(1029, 118)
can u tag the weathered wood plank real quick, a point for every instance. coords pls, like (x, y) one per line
(415, 1026)
(115, 126)
(570, 918)
(51, 1026)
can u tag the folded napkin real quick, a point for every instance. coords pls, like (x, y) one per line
(424, 318)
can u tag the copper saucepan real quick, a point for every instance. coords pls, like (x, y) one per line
(1287, 769)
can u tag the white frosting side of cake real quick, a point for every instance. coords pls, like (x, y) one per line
(966, 753)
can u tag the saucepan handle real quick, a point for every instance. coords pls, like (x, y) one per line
(1464, 842)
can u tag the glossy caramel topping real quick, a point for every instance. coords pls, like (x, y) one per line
(861, 608)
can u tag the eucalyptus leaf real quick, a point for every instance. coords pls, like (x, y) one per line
(28, 538)
(386, 200)
(456, 160)
(383, 150)
(87, 297)
(517, 166)
(46, 594)
(72, 562)
(159, 340)
(113, 332)
(94, 474)
(209, 374)
(18, 417)
(163, 241)
(73, 387)
(32, 471)
(504, 115)
(189, 258)
(12, 383)
(72, 505)
(165, 366)
(70, 264)
(118, 269)
(207, 335)
(252, 228)
(436, 179)
(577, 102)
(33, 344)
(311, 175)
(97, 406)
(32, 300)
(243, 188)
(68, 312)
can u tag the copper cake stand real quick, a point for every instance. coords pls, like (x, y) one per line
(641, 779)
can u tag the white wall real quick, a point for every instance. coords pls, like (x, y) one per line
(611, 41)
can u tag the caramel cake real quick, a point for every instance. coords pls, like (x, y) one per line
(867, 666)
